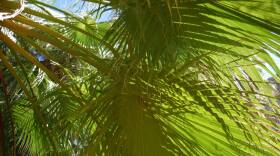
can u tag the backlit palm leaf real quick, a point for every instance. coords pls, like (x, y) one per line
(173, 77)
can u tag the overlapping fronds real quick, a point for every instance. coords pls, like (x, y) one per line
(169, 77)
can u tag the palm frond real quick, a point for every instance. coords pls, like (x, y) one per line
(173, 77)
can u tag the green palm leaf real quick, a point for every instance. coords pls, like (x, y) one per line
(173, 77)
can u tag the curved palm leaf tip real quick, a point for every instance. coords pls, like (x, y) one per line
(6, 15)
(166, 77)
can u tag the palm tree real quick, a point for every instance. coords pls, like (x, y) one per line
(164, 77)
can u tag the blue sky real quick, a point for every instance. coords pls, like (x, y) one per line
(69, 5)
(63, 3)
(76, 5)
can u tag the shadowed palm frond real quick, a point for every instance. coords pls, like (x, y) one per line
(170, 77)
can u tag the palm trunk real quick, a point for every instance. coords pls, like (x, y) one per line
(2, 136)
(10, 120)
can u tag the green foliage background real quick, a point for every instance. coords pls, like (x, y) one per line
(163, 77)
